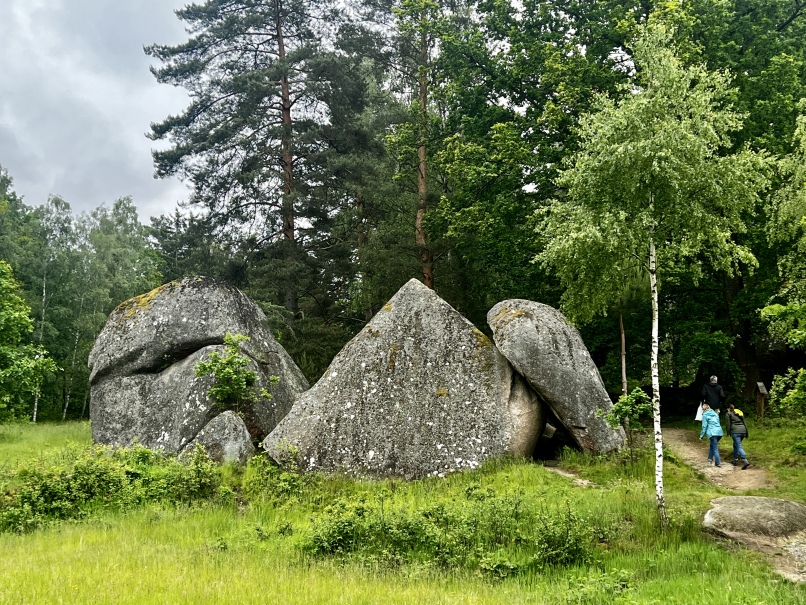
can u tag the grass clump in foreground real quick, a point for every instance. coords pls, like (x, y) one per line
(511, 533)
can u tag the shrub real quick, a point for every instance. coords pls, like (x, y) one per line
(81, 481)
(497, 536)
(264, 478)
(234, 383)
(788, 394)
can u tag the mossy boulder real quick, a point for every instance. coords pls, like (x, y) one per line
(418, 392)
(142, 382)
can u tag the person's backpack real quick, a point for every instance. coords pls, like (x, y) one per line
(740, 414)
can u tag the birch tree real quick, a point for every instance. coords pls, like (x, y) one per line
(654, 182)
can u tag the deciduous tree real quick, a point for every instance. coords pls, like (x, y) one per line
(653, 181)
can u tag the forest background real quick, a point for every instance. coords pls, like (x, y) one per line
(335, 151)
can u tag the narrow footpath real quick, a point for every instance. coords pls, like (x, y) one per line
(684, 443)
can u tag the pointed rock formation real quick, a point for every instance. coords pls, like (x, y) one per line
(549, 353)
(419, 391)
(142, 366)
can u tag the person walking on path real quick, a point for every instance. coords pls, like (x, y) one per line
(713, 394)
(737, 429)
(711, 428)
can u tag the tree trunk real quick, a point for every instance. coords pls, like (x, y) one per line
(73, 362)
(287, 163)
(743, 348)
(653, 282)
(44, 303)
(424, 251)
(41, 332)
(362, 240)
(84, 407)
(623, 354)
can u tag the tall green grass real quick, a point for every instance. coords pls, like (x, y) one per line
(24, 441)
(251, 547)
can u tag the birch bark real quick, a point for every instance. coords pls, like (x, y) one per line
(653, 282)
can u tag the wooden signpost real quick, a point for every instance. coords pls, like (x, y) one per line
(761, 398)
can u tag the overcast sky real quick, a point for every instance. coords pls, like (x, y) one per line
(77, 99)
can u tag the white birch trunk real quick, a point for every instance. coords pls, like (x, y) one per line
(73, 362)
(623, 354)
(41, 332)
(653, 282)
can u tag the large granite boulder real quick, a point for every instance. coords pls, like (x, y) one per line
(142, 380)
(738, 516)
(548, 351)
(772, 526)
(419, 391)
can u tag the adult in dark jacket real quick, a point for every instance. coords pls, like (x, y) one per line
(713, 394)
(737, 429)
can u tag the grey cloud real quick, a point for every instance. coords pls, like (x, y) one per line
(78, 98)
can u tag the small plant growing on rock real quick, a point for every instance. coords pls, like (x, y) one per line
(234, 381)
(627, 412)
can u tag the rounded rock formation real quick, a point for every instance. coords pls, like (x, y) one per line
(550, 354)
(419, 391)
(142, 368)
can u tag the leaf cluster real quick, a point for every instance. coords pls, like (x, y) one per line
(80, 482)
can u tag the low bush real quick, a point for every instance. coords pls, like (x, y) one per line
(498, 536)
(263, 478)
(79, 481)
(788, 395)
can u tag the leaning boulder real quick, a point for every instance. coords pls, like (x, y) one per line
(548, 351)
(142, 368)
(419, 391)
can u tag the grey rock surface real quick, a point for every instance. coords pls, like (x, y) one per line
(549, 353)
(419, 391)
(142, 382)
(225, 439)
(772, 526)
(756, 516)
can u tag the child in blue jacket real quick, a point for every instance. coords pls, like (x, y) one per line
(711, 428)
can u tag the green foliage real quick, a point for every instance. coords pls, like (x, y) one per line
(652, 167)
(83, 481)
(234, 383)
(496, 535)
(788, 394)
(23, 367)
(629, 409)
(264, 479)
(787, 322)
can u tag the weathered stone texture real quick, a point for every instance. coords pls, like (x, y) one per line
(142, 366)
(419, 391)
(734, 516)
(549, 352)
(225, 439)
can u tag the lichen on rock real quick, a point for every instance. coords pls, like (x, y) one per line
(419, 392)
(142, 381)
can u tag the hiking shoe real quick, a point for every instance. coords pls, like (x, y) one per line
(745, 465)
(717, 465)
(735, 462)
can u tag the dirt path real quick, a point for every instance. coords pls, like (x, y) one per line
(686, 446)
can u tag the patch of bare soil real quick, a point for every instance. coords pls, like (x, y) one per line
(684, 443)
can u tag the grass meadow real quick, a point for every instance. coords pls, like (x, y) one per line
(469, 538)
